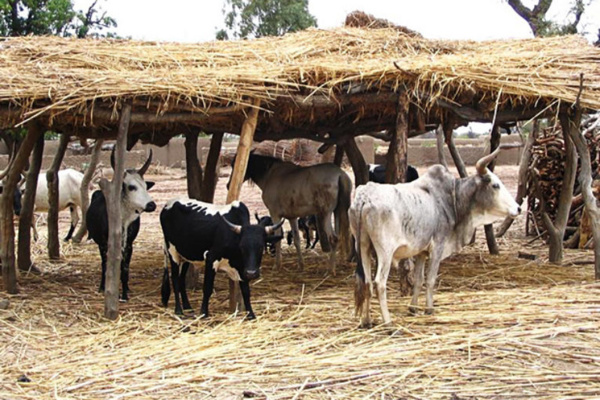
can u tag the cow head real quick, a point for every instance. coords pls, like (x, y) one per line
(253, 239)
(135, 189)
(492, 200)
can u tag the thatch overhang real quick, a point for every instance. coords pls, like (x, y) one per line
(317, 84)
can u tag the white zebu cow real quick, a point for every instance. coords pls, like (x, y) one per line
(69, 195)
(434, 216)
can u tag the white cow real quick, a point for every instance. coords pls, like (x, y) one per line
(433, 217)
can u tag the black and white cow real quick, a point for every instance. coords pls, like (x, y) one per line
(134, 200)
(377, 173)
(264, 222)
(196, 231)
(431, 217)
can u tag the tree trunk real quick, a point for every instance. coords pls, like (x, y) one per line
(112, 192)
(52, 179)
(359, 166)
(7, 228)
(211, 170)
(85, 184)
(571, 126)
(439, 136)
(237, 178)
(489, 229)
(523, 174)
(192, 166)
(397, 159)
(28, 203)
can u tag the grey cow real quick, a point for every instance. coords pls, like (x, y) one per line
(434, 216)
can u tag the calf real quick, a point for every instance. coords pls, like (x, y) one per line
(377, 173)
(431, 217)
(134, 200)
(196, 231)
(307, 225)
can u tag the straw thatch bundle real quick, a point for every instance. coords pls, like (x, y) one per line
(47, 76)
(359, 19)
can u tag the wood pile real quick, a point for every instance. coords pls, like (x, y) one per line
(299, 151)
(547, 167)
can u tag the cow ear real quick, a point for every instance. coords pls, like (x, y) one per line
(273, 238)
(149, 185)
(486, 178)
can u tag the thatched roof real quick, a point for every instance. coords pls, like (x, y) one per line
(315, 83)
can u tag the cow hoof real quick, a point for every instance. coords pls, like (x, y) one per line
(365, 325)
(413, 310)
(429, 311)
(121, 300)
(250, 317)
(204, 316)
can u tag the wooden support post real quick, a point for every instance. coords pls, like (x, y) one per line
(209, 183)
(85, 184)
(7, 229)
(439, 137)
(52, 179)
(359, 166)
(585, 181)
(237, 178)
(112, 192)
(523, 175)
(28, 203)
(192, 166)
(397, 156)
(448, 126)
(338, 157)
(489, 229)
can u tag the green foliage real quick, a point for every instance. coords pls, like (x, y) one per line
(52, 17)
(258, 18)
(542, 26)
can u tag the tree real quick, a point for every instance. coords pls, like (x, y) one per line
(258, 18)
(540, 25)
(52, 17)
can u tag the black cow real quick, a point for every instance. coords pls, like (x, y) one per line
(377, 173)
(134, 200)
(307, 225)
(266, 221)
(196, 231)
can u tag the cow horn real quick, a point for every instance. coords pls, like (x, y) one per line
(256, 216)
(483, 162)
(144, 168)
(271, 229)
(236, 228)
(11, 161)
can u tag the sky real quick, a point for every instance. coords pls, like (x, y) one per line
(198, 20)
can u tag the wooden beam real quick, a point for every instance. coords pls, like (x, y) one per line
(448, 127)
(7, 229)
(237, 178)
(209, 182)
(502, 116)
(192, 166)
(28, 201)
(439, 140)
(338, 157)
(52, 182)
(359, 166)
(397, 156)
(112, 192)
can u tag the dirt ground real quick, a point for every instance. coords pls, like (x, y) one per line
(504, 327)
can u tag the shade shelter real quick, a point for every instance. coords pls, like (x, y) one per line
(325, 85)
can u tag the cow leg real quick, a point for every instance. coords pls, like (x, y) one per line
(245, 288)
(419, 276)
(74, 221)
(434, 266)
(103, 251)
(384, 263)
(33, 227)
(183, 287)
(278, 244)
(307, 235)
(207, 285)
(125, 261)
(316, 239)
(175, 283)
(332, 239)
(294, 224)
(367, 286)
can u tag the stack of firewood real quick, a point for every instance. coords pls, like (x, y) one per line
(546, 172)
(299, 151)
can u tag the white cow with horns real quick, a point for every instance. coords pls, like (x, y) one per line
(434, 216)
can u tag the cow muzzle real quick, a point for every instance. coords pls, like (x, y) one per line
(252, 274)
(150, 207)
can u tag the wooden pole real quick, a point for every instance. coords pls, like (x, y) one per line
(85, 184)
(338, 157)
(489, 229)
(28, 202)
(7, 229)
(397, 156)
(209, 183)
(359, 166)
(52, 182)
(448, 126)
(192, 166)
(237, 178)
(112, 193)
(439, 137)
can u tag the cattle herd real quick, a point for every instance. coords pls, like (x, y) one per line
(427, 218)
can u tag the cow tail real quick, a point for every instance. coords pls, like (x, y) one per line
(165, 289)
(360, 288)
(341, 211)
